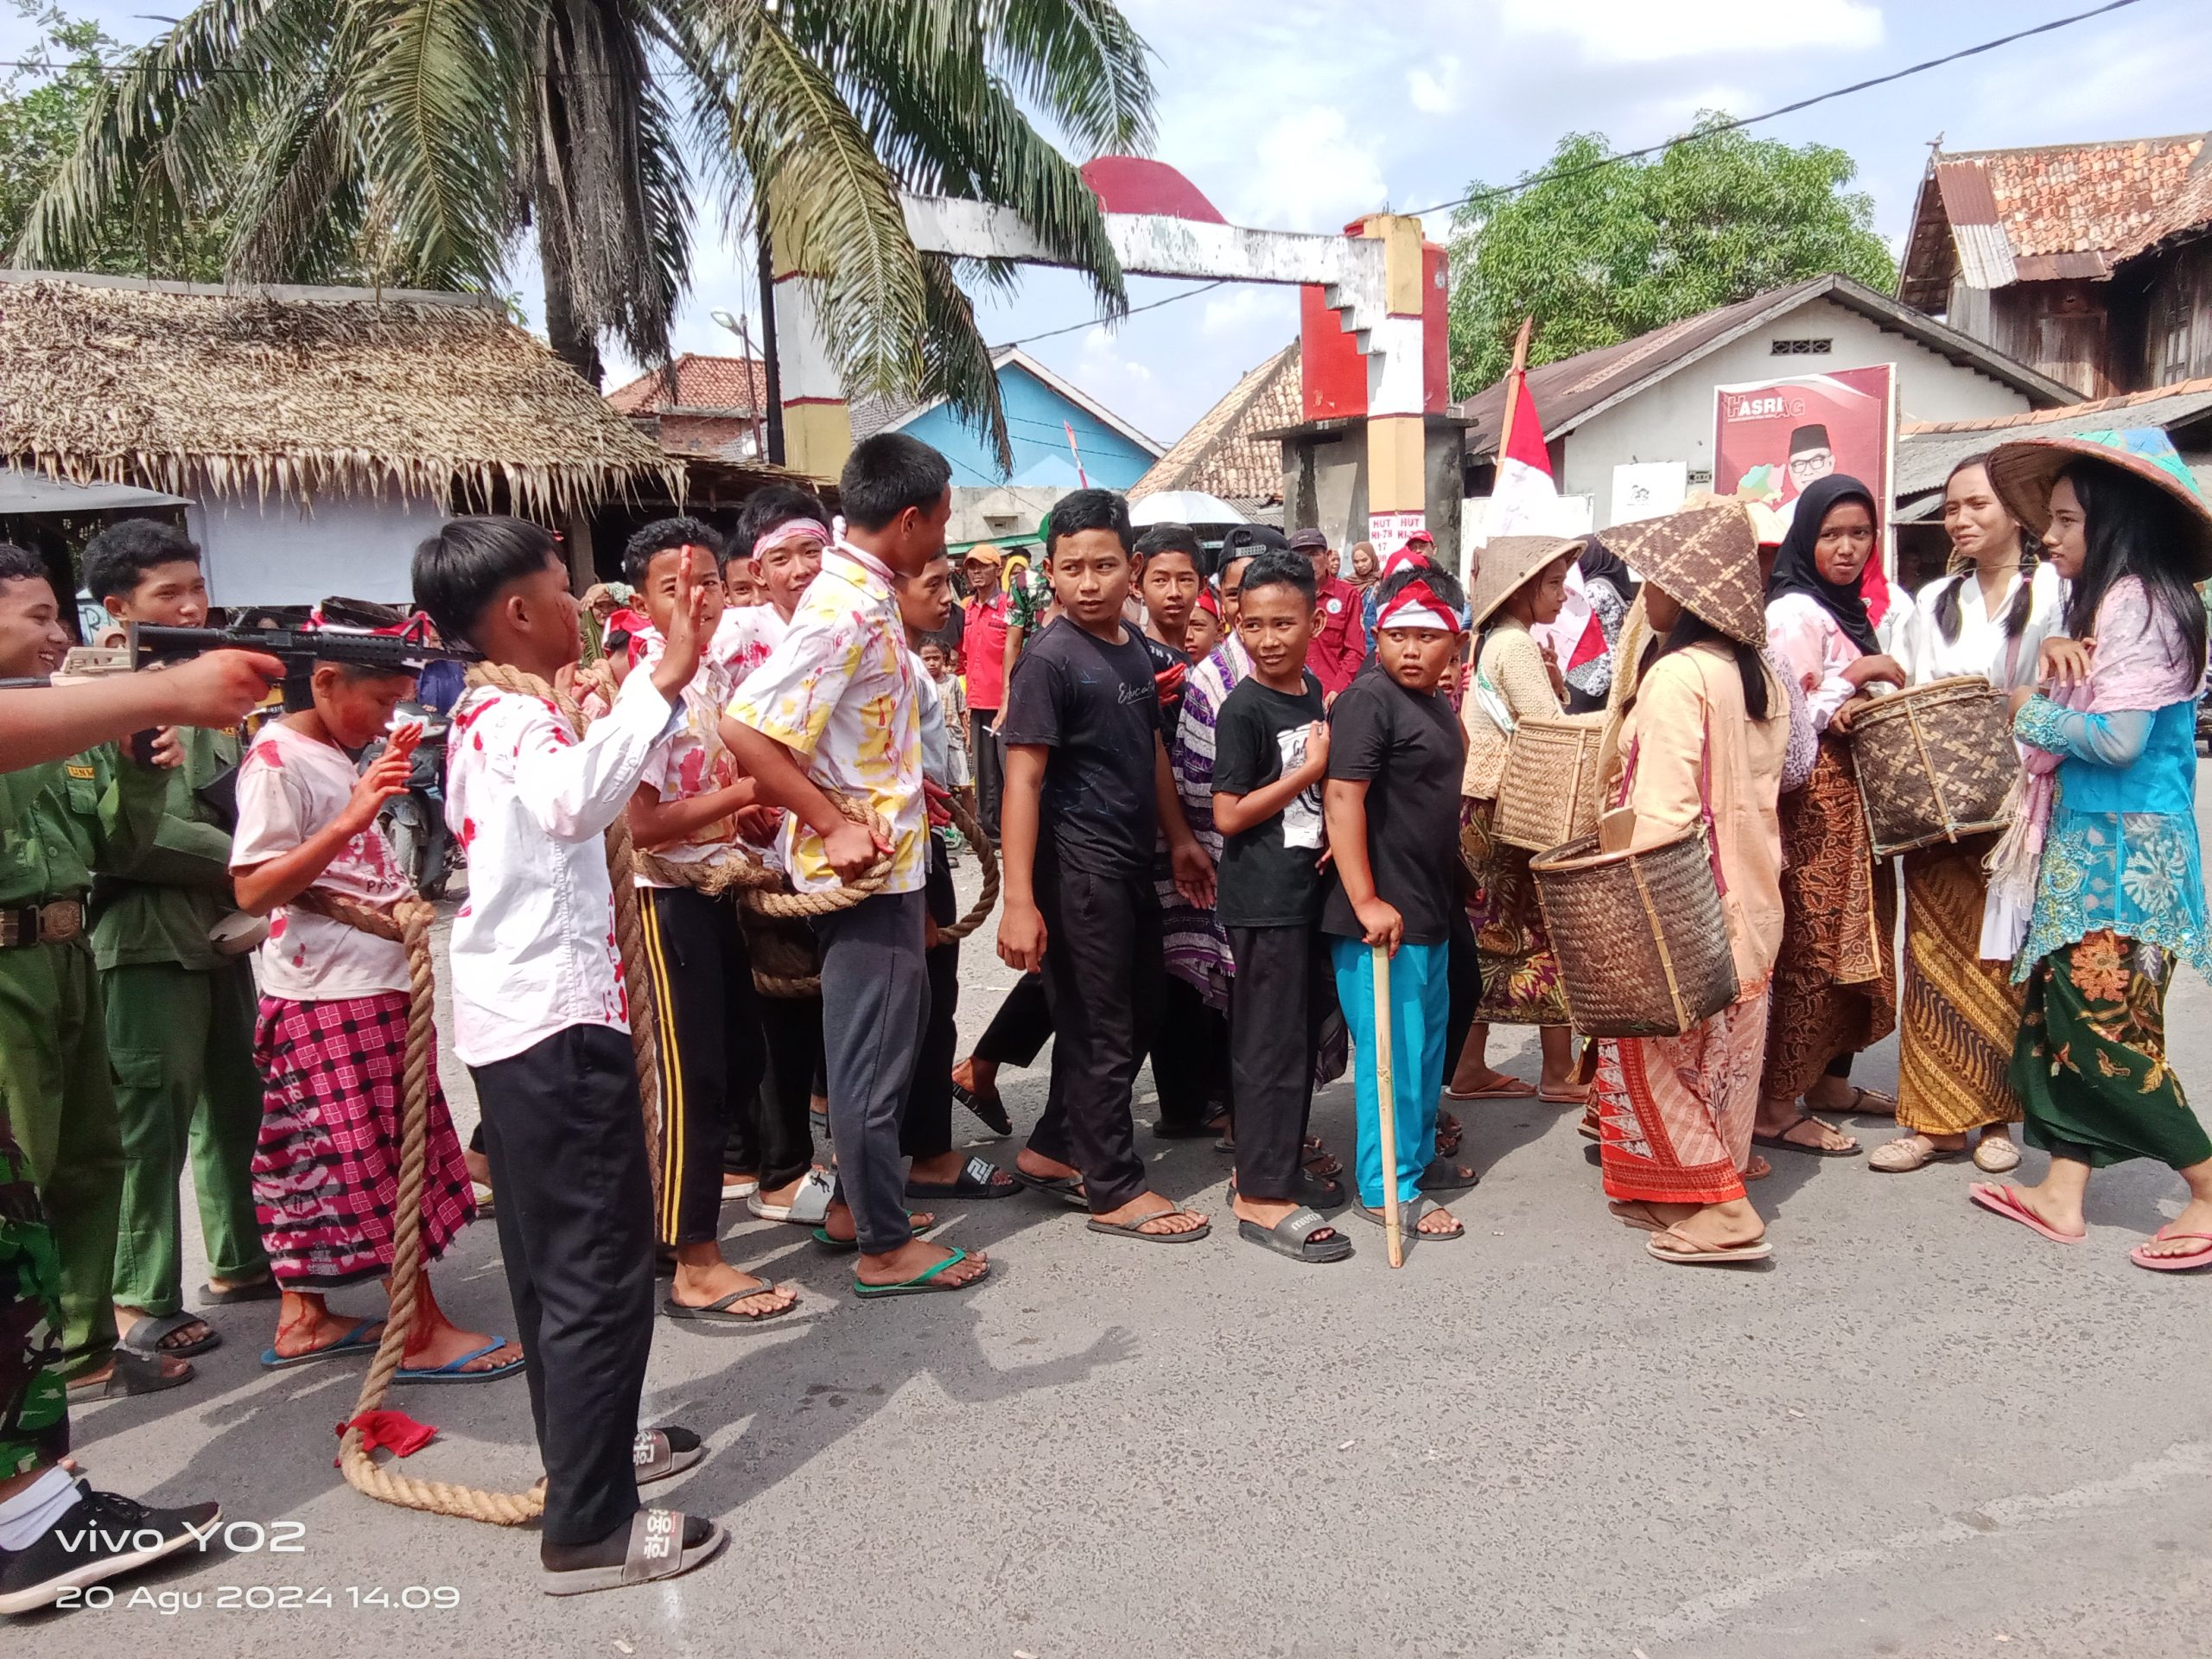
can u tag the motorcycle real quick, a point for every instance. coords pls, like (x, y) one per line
(414, 823)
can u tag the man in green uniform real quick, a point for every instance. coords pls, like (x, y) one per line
(56, 820)
(180, 1010)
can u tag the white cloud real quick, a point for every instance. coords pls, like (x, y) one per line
(1436, 94)
(1310, 173)
(1640, 31)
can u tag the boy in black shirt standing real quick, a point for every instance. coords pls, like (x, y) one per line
(1087, 788)
(1393, 813)
(1271, 749)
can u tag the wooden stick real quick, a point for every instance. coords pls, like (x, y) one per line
(1386, 1118)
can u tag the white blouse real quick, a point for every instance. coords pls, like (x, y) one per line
(1981, 647)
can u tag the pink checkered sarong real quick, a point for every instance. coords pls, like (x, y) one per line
(326, 1174)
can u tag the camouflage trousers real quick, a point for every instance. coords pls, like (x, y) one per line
(34, 1402)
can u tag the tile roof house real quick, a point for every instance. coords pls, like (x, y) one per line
(2092, 263)
(1223, 454)
(702, 406)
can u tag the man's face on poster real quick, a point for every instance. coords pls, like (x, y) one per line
(1806, 465)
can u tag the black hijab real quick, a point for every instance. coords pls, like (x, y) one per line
(1795, 571)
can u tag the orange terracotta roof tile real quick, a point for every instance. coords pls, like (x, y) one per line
(2058, 199)
(1220, 456)
(702, 382)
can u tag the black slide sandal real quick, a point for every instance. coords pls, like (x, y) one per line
(974, 1182)
(1293, 1236)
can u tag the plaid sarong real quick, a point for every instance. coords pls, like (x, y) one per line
(325, 1175)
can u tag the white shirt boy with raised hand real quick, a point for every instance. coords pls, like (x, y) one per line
(533, 947)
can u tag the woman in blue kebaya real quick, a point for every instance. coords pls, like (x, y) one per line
(2108, 827)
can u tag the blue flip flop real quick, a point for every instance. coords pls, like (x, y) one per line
(922, 1283)
(451, 1371)
(352, 1343)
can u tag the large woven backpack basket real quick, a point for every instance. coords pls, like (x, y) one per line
(1934, 763)
(1642, 940)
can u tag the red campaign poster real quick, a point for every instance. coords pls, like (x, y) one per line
(1772, 440)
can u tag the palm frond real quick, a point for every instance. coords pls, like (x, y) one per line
(956, 363)
(1084, 62)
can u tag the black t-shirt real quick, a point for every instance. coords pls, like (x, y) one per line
(1095, 707)
(1268, 877)
(1407, 746)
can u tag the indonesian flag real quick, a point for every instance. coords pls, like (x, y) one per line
(1524, 501)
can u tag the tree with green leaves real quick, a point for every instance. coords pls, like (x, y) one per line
(438, 135)
(1599, 251)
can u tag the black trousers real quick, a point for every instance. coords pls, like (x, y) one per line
(1189, 1049)
(926, 1125)
(776, 1139)
(567, 1150)
(1102, 979)
(1283, 990)
(989, 761)
(712, 1052)
(1018, 1030)
(1463, 984)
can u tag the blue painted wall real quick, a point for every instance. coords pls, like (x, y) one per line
(1034, 414)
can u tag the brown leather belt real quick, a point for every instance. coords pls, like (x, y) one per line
(44, 923)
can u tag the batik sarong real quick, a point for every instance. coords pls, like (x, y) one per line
(1520, 977)
(1675, 1114)
(1958, 1016)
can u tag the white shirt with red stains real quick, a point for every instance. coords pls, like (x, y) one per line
(533, 949)
(290, 786)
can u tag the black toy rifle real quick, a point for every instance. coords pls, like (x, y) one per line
(298, 648)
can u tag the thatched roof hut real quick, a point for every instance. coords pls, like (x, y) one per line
(299, 393)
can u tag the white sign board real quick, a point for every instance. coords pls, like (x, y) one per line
(1648, 489)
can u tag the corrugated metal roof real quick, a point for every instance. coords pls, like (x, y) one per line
(1927, 450)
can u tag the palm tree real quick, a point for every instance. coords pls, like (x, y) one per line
(423, 140)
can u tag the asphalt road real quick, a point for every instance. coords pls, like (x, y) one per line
(1920, 1431)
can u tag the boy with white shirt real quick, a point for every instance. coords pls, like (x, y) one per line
(541, 1020)
(835, 708)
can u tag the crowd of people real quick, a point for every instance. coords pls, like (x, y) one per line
(1247, 808)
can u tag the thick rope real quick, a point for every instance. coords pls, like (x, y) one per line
(987, 856)
(712, 876)
(829, 900)
(408, 923)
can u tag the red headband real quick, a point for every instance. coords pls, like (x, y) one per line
(1416, 606)
(1210, 603)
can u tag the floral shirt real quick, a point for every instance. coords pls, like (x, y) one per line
(839, 690)
(1814, 651)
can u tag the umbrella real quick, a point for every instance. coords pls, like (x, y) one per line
(1184, 507)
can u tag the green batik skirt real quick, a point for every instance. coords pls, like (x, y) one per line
(33, 1405)
(2090, 1062)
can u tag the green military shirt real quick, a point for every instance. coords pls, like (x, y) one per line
(58, 819)
(158, 906)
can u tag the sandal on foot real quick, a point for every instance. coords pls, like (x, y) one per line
(724, 1310)
(1409, 1215)
(1702, 1254)
(1506, 1088)
(1312, 1191)
(1563, 1097)
(1445, 1176)
(923, 1283)
(992, 1116)
(352, 1343)
(974, 1181)
(2005, 1201)
(1780, 1141)
(836, 1246)
(2190, 1262)
(659, 1548)
(1068, 1189)
(809, 1205)
(145, 1338)
(1757, 1170)
(659, 1454)
(1635, 1213)
(1996, 1155)
(451, 1371)
(1911, 1152)
(1883, 1106)
(131, 1375)
(1293, 1236)
(1135, 1228)
(263, 1289)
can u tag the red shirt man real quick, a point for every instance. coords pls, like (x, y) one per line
(1339, 637)
(982, 642)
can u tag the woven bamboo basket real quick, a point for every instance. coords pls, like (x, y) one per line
(1548, 793)
(1643, 943)
(1934, 763)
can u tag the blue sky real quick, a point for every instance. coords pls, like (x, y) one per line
(1301, 114)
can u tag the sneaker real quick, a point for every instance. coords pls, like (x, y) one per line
(102, 1536)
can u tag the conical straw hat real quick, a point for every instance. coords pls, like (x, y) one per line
(1708, 558)
(2023, 472)
(1507, 563)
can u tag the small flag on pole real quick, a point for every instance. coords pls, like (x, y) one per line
(1082, 479)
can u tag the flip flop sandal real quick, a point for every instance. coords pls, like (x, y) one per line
(1068, 1189)
(1780, 1142)
(847, 1246)
(352, 1343)
(1409, 1215)
(1757, 1170)
(1135, 1228)
(1911, 1152)
(723, 1311)
(145, 1338)
(1635, 1213)
(1860, 1097)
(1511, 1089)
(809, 1205)
(1563, 1096)
(2005, 1201)
(2141, 1256)
(451, 1371)
(974, 1181)
(923, 1283)
(1445, 1176)
(657, 1551)
(1293, 1236)
(655, 1454)
(1702, 1255)
(993, 1118)
(132, 1375)
(265, 1289)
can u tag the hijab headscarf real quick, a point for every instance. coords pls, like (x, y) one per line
(1796, 571)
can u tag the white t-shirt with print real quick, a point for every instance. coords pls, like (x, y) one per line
(289, 786)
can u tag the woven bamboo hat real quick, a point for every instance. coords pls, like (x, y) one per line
(1508, 562)
(2022, 474)
(1706, 557)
